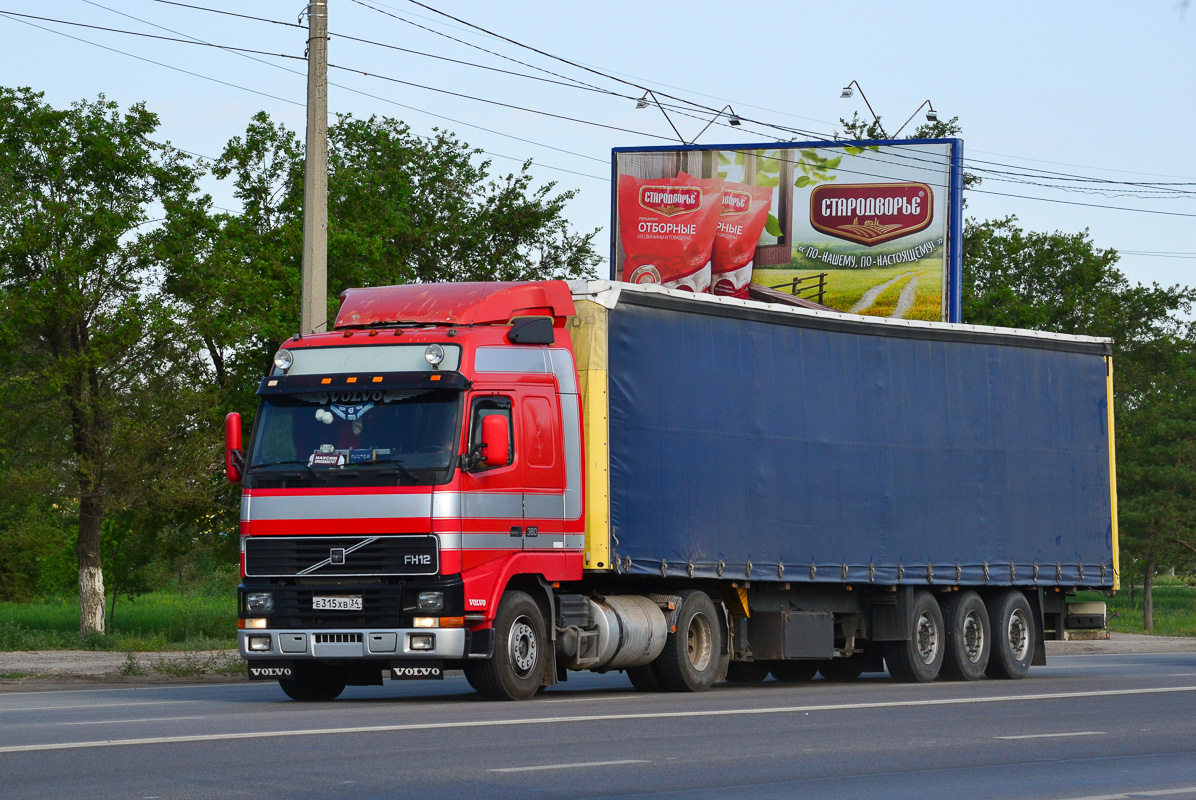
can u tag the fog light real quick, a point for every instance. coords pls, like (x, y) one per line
(259, 603)
(434, 354)
(283, 360)
(430, 601)
(252, 623)
(425, 622)
(423, 641)
(259, 643)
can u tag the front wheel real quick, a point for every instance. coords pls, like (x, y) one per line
(691, 657)
(516, 672)
(313, 683)
(1012, 625)
(919, 659)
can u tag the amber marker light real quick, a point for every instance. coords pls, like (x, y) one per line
(377, 379)
(435, 377)
(452, 622)
(325, 380)
(351, 380)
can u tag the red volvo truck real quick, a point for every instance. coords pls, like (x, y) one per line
(523, 479)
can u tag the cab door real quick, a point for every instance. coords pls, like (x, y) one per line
(492, 497)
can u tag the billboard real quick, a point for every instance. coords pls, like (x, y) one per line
(861, 227)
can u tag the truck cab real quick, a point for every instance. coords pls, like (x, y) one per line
(403, 471)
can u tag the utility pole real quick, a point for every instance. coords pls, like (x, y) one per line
(314, 300)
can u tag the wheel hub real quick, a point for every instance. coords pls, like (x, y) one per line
(522, 646)
(927, 638)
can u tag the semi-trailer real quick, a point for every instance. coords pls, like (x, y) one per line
(523, 479)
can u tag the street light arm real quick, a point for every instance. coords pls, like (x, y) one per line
(911, 116)
(727, 107)
(847, 93)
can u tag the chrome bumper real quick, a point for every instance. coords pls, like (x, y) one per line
(350, 643)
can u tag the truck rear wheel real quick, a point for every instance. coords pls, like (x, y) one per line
(1013, 636)
(690, 659)
(919, 659)
(794, 671)
(747, 671)
(516, 672)
(313, 683)
(968, 637)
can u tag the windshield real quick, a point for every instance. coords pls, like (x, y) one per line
(409, 433)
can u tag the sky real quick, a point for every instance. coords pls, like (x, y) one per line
(1081, 96)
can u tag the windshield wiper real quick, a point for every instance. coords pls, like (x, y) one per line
(398, 467)
(292, 462)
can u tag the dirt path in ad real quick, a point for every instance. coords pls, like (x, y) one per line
(870, 296)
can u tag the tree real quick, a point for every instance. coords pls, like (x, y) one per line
(90, 359)
(402, 209)
(1064, 283)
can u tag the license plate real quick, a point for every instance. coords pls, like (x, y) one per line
(341, 603)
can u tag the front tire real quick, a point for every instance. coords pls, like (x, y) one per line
(516, 672)
(919, 659)
(313, 683)
(968, 637)
(1013, 635)
(691, 656)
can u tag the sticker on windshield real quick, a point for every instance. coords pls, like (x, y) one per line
(326, 460)
(351, 413)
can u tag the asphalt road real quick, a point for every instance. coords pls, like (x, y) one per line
(1085, 726)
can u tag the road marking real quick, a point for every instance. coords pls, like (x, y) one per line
(1128, 795)
(101, 705)
(506, 723)
(122, 721)
(579, 765)
(1053, 735)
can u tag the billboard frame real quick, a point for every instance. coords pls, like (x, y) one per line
(954, 265)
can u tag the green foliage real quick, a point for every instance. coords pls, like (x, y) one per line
(159, 620)
(1174, 609)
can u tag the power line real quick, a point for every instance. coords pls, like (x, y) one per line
(201, 76)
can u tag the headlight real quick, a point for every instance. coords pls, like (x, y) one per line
(434, 354)
(283, 360)
(259, 603)
(430, 601)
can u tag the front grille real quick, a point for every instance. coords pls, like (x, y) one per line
(380, 607)
(357, 556)
(337, 638)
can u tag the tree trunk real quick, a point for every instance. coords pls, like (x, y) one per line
(91, 571)
(1148, 595)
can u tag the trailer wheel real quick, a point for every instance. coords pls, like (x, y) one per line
(918, 660)
(690, 659)
(1013, 635)
(968, 637)
(842, 670)
(747, 671)
(794, 671)
(644, 678)
(313, 683)
(516, 672)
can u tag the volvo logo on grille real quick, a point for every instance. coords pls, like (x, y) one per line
(336, 556)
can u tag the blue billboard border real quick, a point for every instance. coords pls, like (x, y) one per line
(954, 208)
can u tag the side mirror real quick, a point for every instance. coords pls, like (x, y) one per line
(496, 437)
(233, 460)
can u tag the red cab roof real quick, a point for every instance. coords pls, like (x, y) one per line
(454, 303)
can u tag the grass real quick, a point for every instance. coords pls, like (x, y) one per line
(1174, 608)
(159, 621)
(844, 287)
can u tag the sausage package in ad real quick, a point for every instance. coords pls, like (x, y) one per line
(667, 226)
(744, 214)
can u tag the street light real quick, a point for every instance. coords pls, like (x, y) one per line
(848, 92)
(931, 116)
